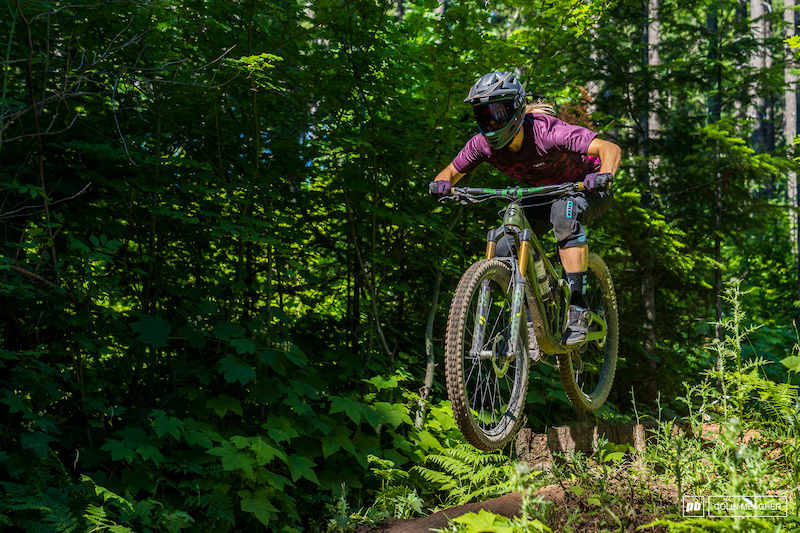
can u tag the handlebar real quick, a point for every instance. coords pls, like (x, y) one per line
(467, 195)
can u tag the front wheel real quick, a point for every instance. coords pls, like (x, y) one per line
(486, 368)
(588, 372)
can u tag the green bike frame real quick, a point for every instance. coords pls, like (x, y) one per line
(548, 312)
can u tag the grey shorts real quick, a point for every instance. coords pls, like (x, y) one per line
(567, 216)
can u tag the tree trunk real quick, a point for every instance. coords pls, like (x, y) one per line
(790, 118)
(757, 107)
(650, 125)
(714, 114)
(430, 364)
(653, 60)
(790, 131)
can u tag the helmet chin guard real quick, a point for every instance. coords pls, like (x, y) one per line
(498, 100)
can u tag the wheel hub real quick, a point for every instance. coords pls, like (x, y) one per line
(501, 355)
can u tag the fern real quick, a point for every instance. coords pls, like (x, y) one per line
(38, 510)
(462, 474)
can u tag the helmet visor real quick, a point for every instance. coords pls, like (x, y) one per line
(494, 116)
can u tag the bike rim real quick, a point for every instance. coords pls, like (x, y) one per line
(589, 359)
(491, 382)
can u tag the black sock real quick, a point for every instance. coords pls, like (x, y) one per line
(577, 287)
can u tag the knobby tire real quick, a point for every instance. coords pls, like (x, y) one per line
(456, 368)
(587, 402)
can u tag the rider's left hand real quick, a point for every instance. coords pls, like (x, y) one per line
(597, 181)
(439, 188)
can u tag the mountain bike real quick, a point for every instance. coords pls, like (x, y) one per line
(510, 312)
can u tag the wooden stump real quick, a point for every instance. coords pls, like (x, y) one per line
(537, 448)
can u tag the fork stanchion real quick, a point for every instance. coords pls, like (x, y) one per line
(524, 251)
(491, 243)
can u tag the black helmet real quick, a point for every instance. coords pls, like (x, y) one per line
(498, 100)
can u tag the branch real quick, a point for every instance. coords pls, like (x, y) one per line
(9, 214)
(40, 279)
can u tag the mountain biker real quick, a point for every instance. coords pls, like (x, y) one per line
(535, 148)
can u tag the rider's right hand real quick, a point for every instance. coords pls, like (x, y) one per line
(439, 188)
(597, 181)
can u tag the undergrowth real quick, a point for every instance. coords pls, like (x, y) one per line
(739, 436)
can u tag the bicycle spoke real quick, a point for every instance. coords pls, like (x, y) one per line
(499, 315)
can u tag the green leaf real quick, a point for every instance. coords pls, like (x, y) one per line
(280, 429)
(222, 404)
(233, 459)
(119, 450)
(576, 490)
(148, 452)
(274, 480)
(380, 383)
(298, 404)
(300, 467)
(303, 388)
(349, 406)
(194, 337)
(296, 356)
(265, 453)
(227, 331)
(235, 370)
(613, 457)
(257, 504)
(152, 330)
(792, 363)
(484, 521)
(338, 440)
(37, 442)
(166, 425)
(427, 441)
(194, 437)
(244, 346)
(392, 414)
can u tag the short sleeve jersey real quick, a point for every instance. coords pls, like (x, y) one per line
(552, 152)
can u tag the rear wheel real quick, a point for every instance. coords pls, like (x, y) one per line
(587, 373)
(486, 378)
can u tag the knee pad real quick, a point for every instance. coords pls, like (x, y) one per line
(564, 218)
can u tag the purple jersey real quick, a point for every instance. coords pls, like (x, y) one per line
(552, 152)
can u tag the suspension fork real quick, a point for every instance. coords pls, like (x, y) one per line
(518, 295)
(483, 297)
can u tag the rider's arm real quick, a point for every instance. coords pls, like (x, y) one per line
(449, 174)
(608, 152)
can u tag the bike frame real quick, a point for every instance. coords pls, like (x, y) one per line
(548, 312)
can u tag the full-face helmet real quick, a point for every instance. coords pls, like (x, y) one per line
(498, 101)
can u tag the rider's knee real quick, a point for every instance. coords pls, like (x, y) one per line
(566, 226)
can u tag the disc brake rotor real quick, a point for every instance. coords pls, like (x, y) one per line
(500, 345)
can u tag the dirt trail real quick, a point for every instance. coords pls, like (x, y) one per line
(537, 450)
(507, 505)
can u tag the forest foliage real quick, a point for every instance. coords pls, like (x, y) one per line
(219, 253)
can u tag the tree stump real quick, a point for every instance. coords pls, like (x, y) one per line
(537, 449)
